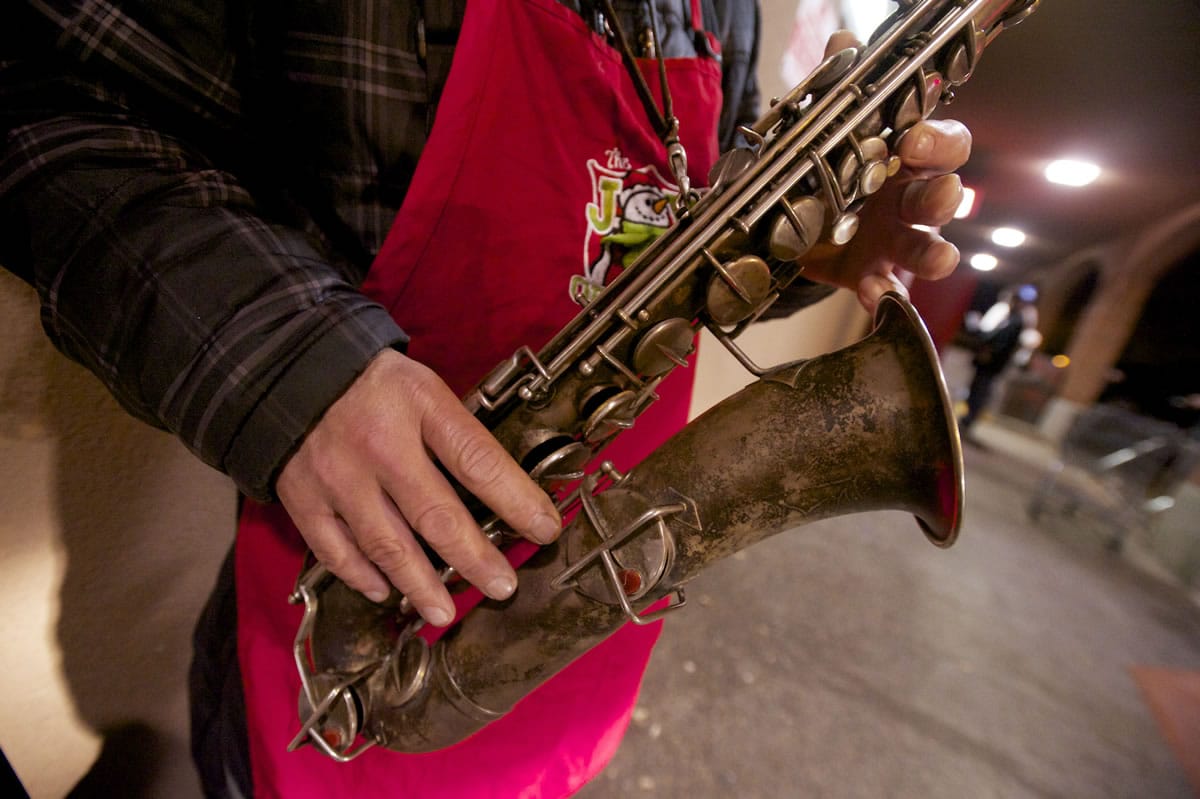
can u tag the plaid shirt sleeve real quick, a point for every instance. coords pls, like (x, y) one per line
(155, 267)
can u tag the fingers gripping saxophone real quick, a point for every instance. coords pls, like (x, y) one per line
(866, 428)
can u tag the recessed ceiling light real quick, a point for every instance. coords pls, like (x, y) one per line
(1008, 237)
(1067, 172)
(967, 206)
(984, 262)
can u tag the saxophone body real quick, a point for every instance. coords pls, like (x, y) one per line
(866, 428)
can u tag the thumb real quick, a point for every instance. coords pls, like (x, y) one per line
(840, 40)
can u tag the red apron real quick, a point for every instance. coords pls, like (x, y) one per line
(540, 175)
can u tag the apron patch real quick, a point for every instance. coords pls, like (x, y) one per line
(630, 208)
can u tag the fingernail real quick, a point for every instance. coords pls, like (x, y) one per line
(940, 259)
(501, 588)
(922, 145)
(437, 615)
(544, 528)
(376, 595)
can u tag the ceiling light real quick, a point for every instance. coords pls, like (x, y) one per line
(984, 262)
(1072, 173)
(967, 206)
(1008, 237)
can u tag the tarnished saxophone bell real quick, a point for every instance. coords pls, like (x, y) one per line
(866, 428)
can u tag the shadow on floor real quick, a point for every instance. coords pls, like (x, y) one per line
(130, 761)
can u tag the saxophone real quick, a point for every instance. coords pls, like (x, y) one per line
(868, 427)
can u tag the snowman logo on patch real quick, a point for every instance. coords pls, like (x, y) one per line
(630, 208)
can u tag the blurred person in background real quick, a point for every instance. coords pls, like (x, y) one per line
(1006, 333)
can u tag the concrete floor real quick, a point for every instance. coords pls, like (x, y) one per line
(850, 659)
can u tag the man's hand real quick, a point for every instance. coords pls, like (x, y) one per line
(363, 486)
(923, 193)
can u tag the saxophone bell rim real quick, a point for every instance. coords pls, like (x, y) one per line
(942, 523)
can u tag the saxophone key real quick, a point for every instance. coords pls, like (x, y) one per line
(557, 461)
(796, 229)
(333, 722)
(627, 545)
(729, 167)
(874, 173)
(825, 76)
(663, 347)
(958, 64)
(843, 228)
(611, 415)
(863, 169)
(906, 109)
(738, 289)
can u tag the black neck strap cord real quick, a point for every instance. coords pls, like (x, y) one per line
(664, 122)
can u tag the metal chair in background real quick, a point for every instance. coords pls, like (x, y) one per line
(1120, 469)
